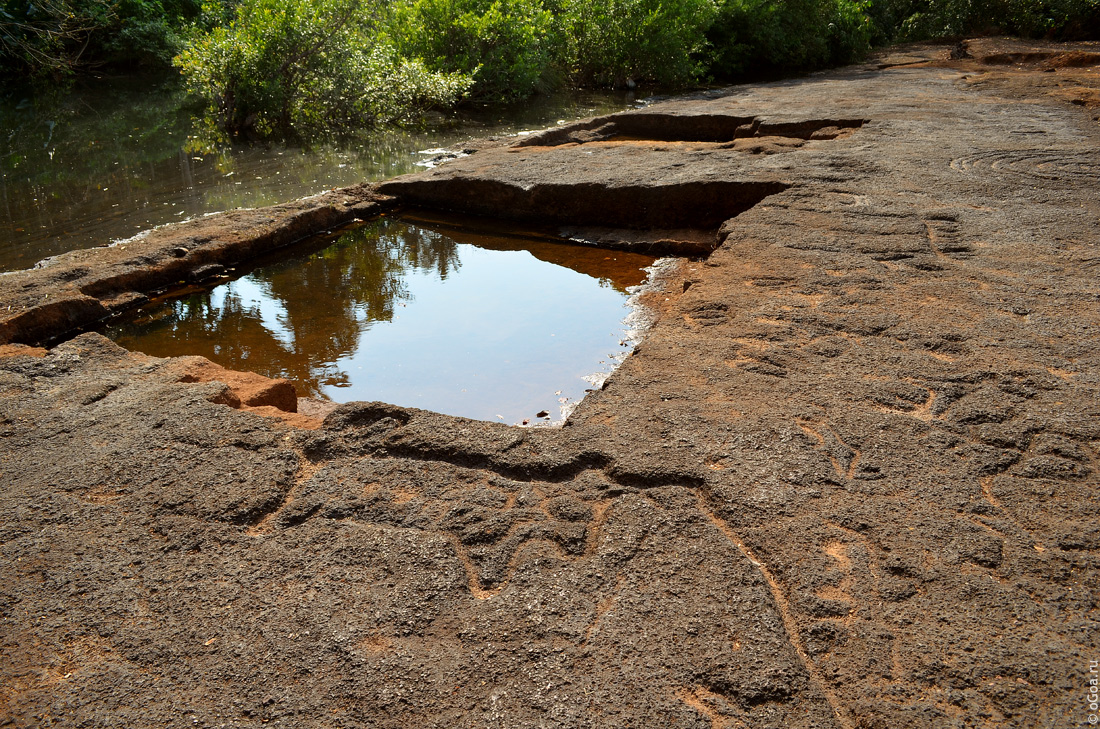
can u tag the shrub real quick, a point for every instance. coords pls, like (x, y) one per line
(296, 68)
(850, 31)
(505, 45)
(63, 36)
(147, 32)
(620, 41)
(772, 37)
(922, 19)
(50, 36)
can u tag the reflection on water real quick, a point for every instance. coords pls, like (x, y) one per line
(103, 161)
(419, 314)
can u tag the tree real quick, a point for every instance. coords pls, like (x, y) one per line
(296, 68)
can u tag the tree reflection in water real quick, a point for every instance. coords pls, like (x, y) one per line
(296, 319)
(388, 311)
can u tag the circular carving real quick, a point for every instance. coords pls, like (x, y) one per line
(1035, 163)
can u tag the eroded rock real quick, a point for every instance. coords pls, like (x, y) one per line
(849, 479)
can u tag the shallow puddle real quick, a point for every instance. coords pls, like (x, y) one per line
(418, 313)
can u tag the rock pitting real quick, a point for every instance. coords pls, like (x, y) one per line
(847, 480)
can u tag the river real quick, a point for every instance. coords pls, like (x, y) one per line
(106, 158)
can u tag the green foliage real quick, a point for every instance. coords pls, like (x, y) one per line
(50, 36)
(300, 67)
(619, 41)
(59, 37)
(505, 45)
(514, 48)
(922, 19)
(850, 31)
(295, 68)
(767, 37)
(148, 32)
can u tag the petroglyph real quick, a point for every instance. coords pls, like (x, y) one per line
(855, 486)
(1043, 164)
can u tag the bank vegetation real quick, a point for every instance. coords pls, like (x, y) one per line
(297, 68)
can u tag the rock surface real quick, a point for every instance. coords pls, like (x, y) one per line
(848, 480)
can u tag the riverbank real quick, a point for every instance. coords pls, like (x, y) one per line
(848, 479)
(105, 159)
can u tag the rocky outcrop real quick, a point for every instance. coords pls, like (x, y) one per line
(849, 479)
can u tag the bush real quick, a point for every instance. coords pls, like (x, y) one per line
(505, 45)
(850, 31)
(773, 37)
(512, 48)
(60, 37)
(924, 19)
(50, 36)
(147, 32)
(296, 68)
(620, 41)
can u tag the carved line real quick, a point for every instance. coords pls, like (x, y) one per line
(694, 698)
(862, 539)
(306, 470)
(821, 442)
(473, 579)
(782, 605)
(844, 471)
(603, 608)
(987, 491)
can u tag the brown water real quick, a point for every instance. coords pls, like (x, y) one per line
(421, 313)
(83, 166)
